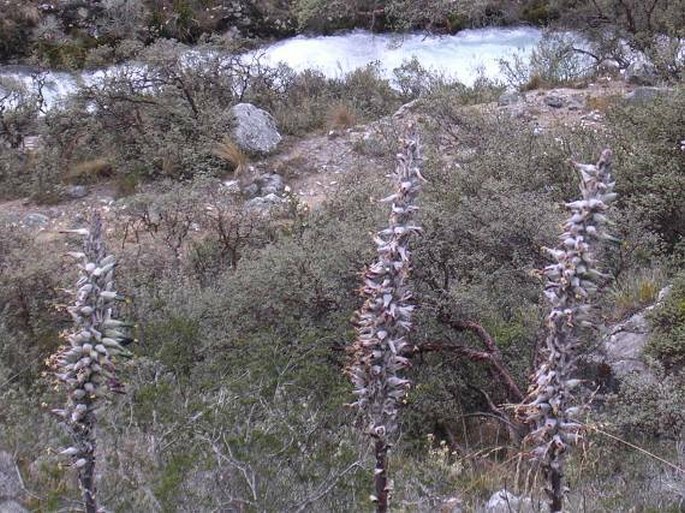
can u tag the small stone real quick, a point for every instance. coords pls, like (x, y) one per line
(270, 183)
(263, 203)
(36, 220)
(594, 116)
(231, 187)
(555, 100)
(76, 191)
(251, 191)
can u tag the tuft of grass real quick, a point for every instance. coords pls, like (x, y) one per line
(341, 115)
(535, 82)
(228, 151)
(634, 292)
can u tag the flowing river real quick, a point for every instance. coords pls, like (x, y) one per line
(462, 56)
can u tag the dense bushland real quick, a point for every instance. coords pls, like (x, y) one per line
(236, 391)
(235, 396)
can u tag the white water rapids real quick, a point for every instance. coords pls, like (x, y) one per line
(462, 56)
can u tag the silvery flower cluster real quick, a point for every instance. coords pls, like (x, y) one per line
(84, 364)
(379, 352)
(570, 284)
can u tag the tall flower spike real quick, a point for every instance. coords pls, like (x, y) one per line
(571, 283)
(378, 355)
(84, 364)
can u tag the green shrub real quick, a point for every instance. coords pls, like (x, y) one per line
(651, 176)
(552, 63)
(667, 341)
(649, 406)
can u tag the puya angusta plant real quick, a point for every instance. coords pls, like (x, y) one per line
(84, 365)
(571, 283)
(379, 354)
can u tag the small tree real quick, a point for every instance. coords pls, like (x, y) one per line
(84, 364)
(571, 284)
(384, 320)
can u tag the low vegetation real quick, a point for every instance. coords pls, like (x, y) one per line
(236, 390)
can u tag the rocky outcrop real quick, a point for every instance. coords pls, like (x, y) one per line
(620, 352)
(623, 347)
(254, 129)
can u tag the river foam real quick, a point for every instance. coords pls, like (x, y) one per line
(463, 56)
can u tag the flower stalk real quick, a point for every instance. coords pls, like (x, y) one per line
(379, 354)
(571, 283)
(84, 364)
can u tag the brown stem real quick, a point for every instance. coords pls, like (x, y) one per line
(492, 355)
(87, 472)
(380, 476)
(556, 494)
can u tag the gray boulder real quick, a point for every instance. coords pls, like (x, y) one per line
(76, 191)
(641, 72)
(12, 507)
(506, 502)
(623, 347)
(255, 129)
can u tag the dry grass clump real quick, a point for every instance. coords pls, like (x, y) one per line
(228, 151)
(341, 115)
(635, 292)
